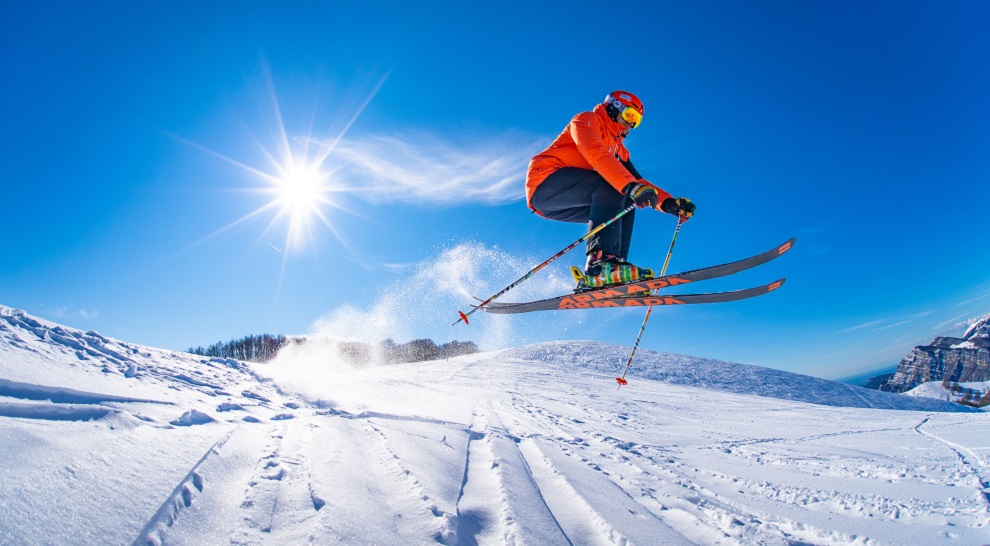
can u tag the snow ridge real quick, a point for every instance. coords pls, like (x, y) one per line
(717, 376)
(979, 329)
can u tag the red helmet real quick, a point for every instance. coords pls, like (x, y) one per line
(620, 104)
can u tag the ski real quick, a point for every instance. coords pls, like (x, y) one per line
(642, 289)
(584, 301)
(517, 282)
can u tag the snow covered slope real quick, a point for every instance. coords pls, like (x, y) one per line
(721, 376)
(105, 442)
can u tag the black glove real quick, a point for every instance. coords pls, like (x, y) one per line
(681, 206)
(644, 195)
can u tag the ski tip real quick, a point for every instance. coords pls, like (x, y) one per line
(786, 246)
(776, 284)
(621, 381)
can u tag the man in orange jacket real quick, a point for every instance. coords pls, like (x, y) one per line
(586, 176)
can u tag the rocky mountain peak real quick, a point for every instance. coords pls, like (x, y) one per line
(950, 360)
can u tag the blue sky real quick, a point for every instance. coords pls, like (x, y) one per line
(142, 141)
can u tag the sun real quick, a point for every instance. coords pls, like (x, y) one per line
(300, 188)
(301, 192)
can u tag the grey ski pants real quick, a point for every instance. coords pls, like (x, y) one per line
(578, 195)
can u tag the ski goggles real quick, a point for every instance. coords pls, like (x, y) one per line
(631, 116)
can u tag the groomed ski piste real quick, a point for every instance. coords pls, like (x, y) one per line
(107, 442)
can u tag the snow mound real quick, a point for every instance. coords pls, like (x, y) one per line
(193, 417)
(718, 376)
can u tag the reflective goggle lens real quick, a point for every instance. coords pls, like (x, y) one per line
(632, 116)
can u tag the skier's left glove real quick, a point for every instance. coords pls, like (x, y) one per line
(643, 194)
(681, 206)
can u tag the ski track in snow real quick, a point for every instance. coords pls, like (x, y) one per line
(111, 443)
(979, 473)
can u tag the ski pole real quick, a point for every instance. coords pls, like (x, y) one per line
(621, 380)
(599, 227)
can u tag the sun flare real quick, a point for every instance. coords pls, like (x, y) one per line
(294, 174)
(299, 193)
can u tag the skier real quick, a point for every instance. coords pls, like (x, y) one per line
(586, 176)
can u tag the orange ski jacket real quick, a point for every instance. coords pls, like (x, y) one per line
(592, 140)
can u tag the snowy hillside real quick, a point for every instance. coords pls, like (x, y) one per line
(725, 376)
(972, 393)
(106, 442)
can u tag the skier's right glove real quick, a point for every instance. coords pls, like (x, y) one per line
(644, 195)
(680, 206)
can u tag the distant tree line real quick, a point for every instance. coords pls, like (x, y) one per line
(251, 348)
(419, 350)
(264, 348)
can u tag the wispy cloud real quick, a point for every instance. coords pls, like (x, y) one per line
(889, 326)
(830, 355)
(428, 169)
(982, 295)
(860, 326)
(378, 263)
(65, 313)
(906, 320)
(872, 326)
